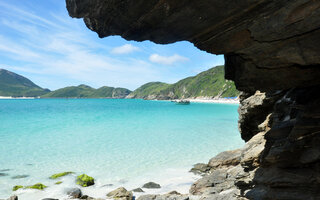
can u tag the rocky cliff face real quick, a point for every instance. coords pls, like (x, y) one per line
(270, 46)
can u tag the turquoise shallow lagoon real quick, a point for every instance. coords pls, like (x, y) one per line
(117, 141)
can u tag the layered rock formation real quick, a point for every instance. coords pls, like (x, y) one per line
(270, 46)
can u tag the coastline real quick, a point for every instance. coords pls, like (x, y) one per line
(3, 97)
(196, 100)
(219, 100)
(206, 100)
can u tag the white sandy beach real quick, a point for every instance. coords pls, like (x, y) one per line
(2, 97)
(220, 100)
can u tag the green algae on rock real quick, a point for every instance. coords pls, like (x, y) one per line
(58, 183)
(16, 187)
(55, 176)
(85, 180)
(38, 186)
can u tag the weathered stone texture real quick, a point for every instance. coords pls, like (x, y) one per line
(267, 44)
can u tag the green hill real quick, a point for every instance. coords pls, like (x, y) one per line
(208, 84)
(12, 84)
(84, 91)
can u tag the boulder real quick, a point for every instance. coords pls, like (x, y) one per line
(85, 180)
(121, 194)
(151, 185)
(74, 192)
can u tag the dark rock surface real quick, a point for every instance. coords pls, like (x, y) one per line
(4, 174)
(19, 176)
(74, 192)
(13, 197)
(259, 38)
(137, 190)
(200, 168)
(151, 185)
(49, 199)
(270, 46)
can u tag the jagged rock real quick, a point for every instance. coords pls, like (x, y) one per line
(252, 150)
(253, 111)
(121, 194)
(216, 177)
(200, 168)
(225, 159)
(151, 185)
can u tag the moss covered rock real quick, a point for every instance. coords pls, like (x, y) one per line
(38, 186)
(58, 183)
(16, 187)
(55, 176)
(85, 180)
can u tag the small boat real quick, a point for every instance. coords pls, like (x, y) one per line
(182, 102)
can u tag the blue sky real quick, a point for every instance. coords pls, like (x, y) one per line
(39, 40)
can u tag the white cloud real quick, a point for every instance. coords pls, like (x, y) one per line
(167, 60)
(51, 48)
(124, 49)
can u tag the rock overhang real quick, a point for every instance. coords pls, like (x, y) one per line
(268, 45)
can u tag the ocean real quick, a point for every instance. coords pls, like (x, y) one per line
(119, 142)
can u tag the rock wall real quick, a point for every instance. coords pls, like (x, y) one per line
(281, 161)
(270, 46)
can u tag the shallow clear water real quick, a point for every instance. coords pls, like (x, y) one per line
(120, 142)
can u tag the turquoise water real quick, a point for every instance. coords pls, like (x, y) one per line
(119, 142)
